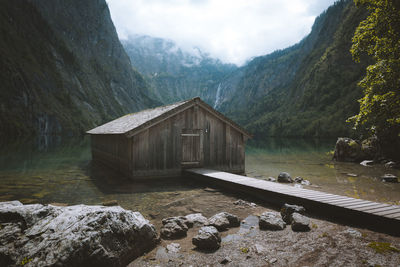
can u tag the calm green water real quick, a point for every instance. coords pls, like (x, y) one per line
(309, 159)
(49, 170)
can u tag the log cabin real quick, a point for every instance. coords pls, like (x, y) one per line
(162, 141)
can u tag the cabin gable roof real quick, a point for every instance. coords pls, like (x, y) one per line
(133, 123)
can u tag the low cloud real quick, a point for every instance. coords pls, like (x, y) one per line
(232, 31)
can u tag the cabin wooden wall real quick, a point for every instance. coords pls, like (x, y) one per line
(112, 151)
(156, 151)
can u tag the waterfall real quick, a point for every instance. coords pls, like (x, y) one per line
(218, 96)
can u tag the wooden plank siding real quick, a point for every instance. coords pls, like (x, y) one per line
(157, 150)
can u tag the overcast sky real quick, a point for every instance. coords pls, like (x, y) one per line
(231, 30)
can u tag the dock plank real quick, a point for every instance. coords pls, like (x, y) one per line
(342, 204)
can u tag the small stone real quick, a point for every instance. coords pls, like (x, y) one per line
(353, 232)
(352, 174)
(271, 179)
(273, 260)
(208, 189)
(208, 238)
(110, 203)
(389, 178)
(305, 182)
(391, 164)
(259, 249)
(287, 211)
(225, 260)
(300, 223)
(241, 202)
(223, 221)
(284, 177)
(248, 257)
(173, 248)
(367, 163)
(271, 221)
(298, 179)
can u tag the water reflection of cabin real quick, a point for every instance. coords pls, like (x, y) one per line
(162, 141)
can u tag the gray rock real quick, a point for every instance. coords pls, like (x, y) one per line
(389, 178)
(287, 211)
(271, 179)
(352, 232)
(241, 202)
(391, 164)
(271, 221)
(367, 163)
(196, 219)
(223, 221)
(208, 238)
(173, 248)
(300, 223)
(298, 179)
(347, 149)
(225, 260)
(305, 182)
(174, 227)
(284, 177)
(73, 236)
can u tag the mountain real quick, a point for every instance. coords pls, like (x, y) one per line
(63, 69)
(173, 73)
(308, 89)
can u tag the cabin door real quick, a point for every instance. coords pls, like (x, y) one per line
(192, 148)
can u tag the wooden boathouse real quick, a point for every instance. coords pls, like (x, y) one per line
(160, 142)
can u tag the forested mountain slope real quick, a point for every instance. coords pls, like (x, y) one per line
(309, 89)
(62, 68)
(173, 73)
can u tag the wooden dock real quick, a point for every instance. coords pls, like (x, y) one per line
(376, 216)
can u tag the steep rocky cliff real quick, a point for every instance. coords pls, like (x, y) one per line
(62, 68)
(309, 89)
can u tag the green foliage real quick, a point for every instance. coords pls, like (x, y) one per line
(382, 247)
(379, 37)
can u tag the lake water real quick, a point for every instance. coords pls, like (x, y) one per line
(55, 170)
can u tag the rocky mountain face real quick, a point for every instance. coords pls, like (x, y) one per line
(63, 69)
(309, 89)
(173, 73)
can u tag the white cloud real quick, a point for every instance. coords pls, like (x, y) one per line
(231, 30)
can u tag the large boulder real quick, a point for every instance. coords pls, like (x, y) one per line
(347, 149)
(271, 221)
(208, 238)
(175, 227)
(223, 221)
(196, 219)
(46, 235)
(287, 210)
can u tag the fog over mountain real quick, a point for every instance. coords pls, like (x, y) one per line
(233, 31)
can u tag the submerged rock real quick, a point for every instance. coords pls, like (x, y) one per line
(284, 177)
(367, 163)
(208, 238)
(175, 227)
(271, 221)
(287, 211)
(223, 221)
(389, 178)
(300, 223)
(46, 235)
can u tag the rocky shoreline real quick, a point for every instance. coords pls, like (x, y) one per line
(80, 235)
